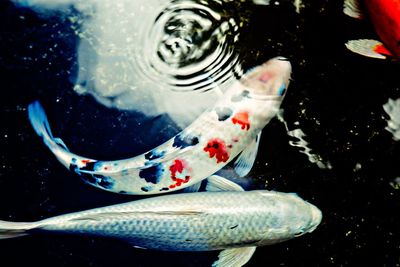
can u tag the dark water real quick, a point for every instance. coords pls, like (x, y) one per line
(335, 97)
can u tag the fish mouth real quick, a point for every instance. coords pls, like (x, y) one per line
(316, 218)
(282, 58)
(261, 97)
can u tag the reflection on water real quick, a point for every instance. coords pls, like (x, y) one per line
(395, 183)
(392, 108)
(298, 141)
(134, 54)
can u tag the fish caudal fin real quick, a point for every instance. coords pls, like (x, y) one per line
(14, 229)
(40, 124)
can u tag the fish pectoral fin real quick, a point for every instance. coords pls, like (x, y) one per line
(193, 188)
(246, 160)
(216, 183)
(353, 8)
(369, 48)
(234, 257)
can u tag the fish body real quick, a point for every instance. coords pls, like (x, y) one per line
(204, 147)
(385, 17)
(200, 221)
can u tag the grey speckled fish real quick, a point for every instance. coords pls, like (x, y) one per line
(236, 222)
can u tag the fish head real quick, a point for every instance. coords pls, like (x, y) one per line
(291, 217)
(264, 88)
(269, 80)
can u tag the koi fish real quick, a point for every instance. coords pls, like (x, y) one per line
(231, 127)
(201, 221)
(385, 16)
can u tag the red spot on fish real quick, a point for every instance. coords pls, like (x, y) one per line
(85, 161)
(381, 49)
(265, 77)
(235, 139)
(180, 173)
(216, 147)
(242, 118)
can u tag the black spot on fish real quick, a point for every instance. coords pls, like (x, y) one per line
(188, 240)
(152, 155)
(223, 113)
(88, 178)
(237, 98)
(89, 166)
(233, 227)
(185, 141)
(122, 192)
(146, 188)
(164, 189)
(152, 174)
(73, 167)
(105, 182)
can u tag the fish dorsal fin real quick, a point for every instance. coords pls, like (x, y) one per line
(234, 257)
(368, 48)
(246, 160)
(115, 214)
(216, 183)
(352, 8)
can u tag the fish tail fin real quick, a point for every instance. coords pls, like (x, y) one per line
(14, 229)
(40, 124)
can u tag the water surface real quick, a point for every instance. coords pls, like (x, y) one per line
(339, 148)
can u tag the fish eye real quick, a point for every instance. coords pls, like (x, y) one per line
(282, 90)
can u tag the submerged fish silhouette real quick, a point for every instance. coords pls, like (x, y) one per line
(231, 127)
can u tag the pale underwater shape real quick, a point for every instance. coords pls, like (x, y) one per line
(153, 56)
(392, 108)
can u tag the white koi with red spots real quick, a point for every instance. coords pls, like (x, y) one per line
(236, 222)
(220, 134)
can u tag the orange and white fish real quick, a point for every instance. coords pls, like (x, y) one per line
(385, 16)
(221, 133)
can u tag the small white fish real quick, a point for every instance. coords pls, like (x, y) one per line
(236, 222)
(231, 127)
